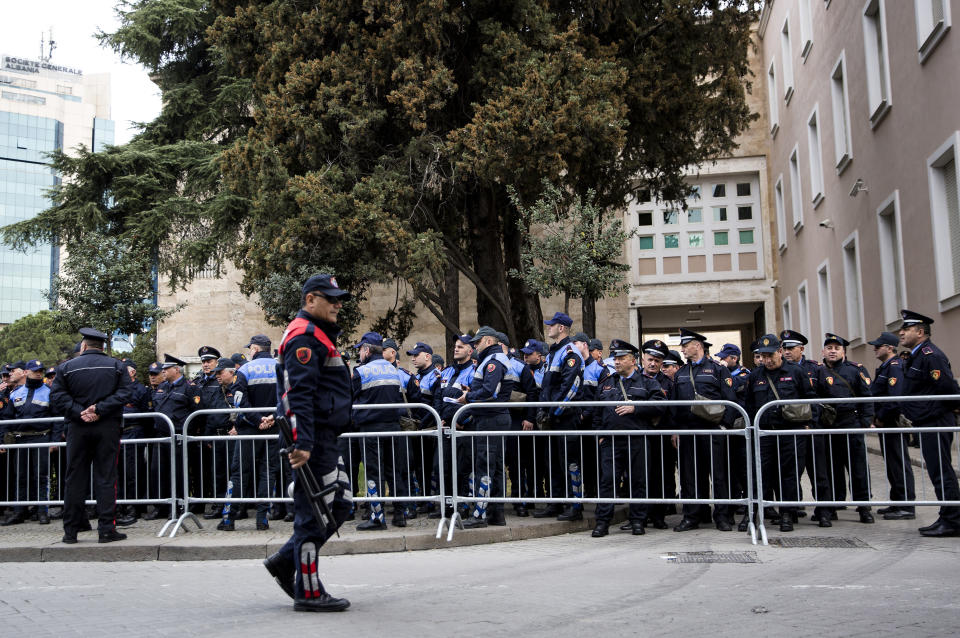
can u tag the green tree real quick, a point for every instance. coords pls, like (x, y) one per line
(145, 352)
(42, 335)
(571, 249)
(379, 137)
(105, 285)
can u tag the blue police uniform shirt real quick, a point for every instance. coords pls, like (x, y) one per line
(377, 381)
(33, 403)
(564, 375)
(491, 381)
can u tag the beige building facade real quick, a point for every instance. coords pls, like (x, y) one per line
(863, 132)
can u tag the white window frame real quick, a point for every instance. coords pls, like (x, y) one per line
(772, 98)
(786, 53)
(781, 213)
(803, 308)
(840, 102)
(787, 313)
(877, 70)
(825, 298)
(796, 188)
(892, 271)
(853, 287)
(806, 28)
(948, 290)
(816, 156)
(929, 32)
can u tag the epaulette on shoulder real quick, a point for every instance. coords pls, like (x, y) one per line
(895, 361)
(927, 350)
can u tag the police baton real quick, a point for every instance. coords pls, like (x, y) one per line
(308, 480)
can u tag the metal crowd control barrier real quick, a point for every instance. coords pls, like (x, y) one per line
(263, 450)
(49, 486)
(726, 435)
(847, 484)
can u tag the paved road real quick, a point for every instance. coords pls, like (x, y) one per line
(568, 585)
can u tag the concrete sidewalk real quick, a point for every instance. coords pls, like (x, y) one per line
(30, 542)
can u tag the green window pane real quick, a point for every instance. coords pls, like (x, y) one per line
(695, 240)
(671, 240)
(720, 238)
(646, 243)
(746, 236)
(695, 215)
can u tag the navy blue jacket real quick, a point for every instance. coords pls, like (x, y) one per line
(492, 382)
(636, 387)
(256, 387)
(376, 382)
(790, 381)
(888, 382)
(177, 400)
(927, 373)
(858, 379)
(563, 379)
(313, 386)
(28, 402)
(91, 378)
(454, 380)
(712, 381)
(141, 400)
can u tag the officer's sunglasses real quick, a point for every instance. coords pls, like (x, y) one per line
(333, 300)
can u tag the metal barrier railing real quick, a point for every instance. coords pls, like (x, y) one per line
(824, 480)
(269, 474)
(555, 437)
(43, 483)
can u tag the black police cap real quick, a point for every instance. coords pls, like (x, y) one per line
(325, 285)
(792, 338)
(767, 344)
(209, 352)
(92, 334)
(169, 361)
(620, 348)
(911, 318)
(655, 348)
(832, 338)
(686, 336)
(886, 339)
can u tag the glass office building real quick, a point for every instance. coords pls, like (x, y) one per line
(42, 109)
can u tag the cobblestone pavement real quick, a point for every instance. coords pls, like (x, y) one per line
(570, 585)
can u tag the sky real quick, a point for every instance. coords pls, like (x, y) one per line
(74, 22)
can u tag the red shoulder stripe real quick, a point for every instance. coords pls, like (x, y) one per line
(301, 326)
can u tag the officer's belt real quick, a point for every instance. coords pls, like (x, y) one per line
(30, 433)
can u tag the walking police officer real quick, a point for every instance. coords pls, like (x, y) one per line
(90, 391)
(928, 373)
(316, 396)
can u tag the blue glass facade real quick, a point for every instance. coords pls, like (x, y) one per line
(24, 180)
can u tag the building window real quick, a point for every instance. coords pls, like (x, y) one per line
(64, 89)
(671, 240)
(645, 243)
(695, 240)
(645, 218)
(772, 98)
(933, 22)
(781, 213)
(743, 190)
(893, 284)
(824, 297)
(877, 60)
(22, 97)
(945, 210)
(842, 144)
(694, 215)
(671, 216)
(803, 310)
(746, 237)
(720, 214)
(786, 54)
(720, 238)
(853, 288)
(796, 198)
(694, 193)
(806, 28)
(719, 190)
(787, 315)
(816, 158)
(744, 213)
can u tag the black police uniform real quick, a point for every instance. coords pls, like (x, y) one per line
(491, 384)
(454, 380)
(702, 458)
(889, 382)
(133, 470)
(781, 457)
(315, 394)
(847, 453)
(662, 461)
(630, 453)
(928, 372)
(177, 400)
(92, 378)
(518, 455)
(424, 449)
(562, 381)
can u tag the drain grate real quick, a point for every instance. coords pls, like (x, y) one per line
(819, 541)
(712, 557)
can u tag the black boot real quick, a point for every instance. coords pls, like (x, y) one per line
(551, 511)
(283, 571)
(602, 529)
(574, 513)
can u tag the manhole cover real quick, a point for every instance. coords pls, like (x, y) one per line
(712, 557)
(819, 541)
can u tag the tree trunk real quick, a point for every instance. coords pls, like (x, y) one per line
(527, 319)
(589, 311)
(450, 304)
(566, 303)
(487, 255)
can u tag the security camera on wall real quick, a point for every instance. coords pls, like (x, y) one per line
(826, 223)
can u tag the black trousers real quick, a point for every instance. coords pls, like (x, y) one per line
(564, 456)
(518, 456)
(132, 470)
(385, 461)
(703, 458)
(782, 460)
(896, 456)
(847, 454)
(91, 444)
(619, 454)
(935, 447)
(662, 459)
(252, 469)
(488, 455)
